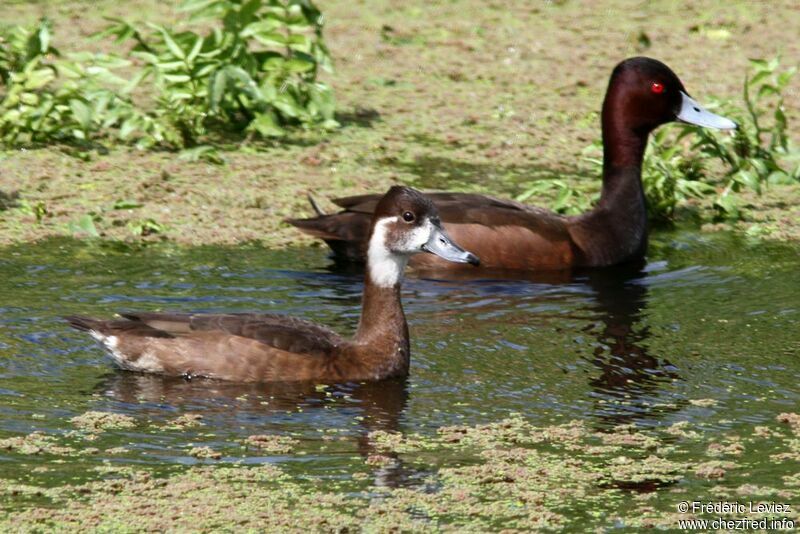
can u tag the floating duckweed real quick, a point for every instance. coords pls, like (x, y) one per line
(713, 469)
(102, 421)
(720, 449)
(791, 419)
(205, 453)
(33, 443)
(703, 403)
(681, 430)
(271, 444)
(188, 420)
(505, 475)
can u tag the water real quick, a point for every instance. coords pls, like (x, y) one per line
(708, 317)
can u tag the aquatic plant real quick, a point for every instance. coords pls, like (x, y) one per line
(760, 152)
(255, 72)
(45, 98)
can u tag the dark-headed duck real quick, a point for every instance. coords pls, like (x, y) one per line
(265, 348)
(642, 94)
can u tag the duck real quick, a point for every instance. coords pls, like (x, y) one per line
(250, 347)
(643, 93)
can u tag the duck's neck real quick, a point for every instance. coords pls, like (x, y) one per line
(623, 153)
(616, 229)
(382, 335)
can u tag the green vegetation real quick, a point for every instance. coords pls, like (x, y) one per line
(46, 99)
(255, 71)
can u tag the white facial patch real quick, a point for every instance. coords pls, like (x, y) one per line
(387, 261)
(416, 238)
(385, 267)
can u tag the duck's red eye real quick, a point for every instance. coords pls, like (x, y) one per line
(657, 88)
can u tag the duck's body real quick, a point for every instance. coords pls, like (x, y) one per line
(266, 348)
(642, 94)
(510, 235)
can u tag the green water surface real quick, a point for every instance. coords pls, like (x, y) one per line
(706, 332)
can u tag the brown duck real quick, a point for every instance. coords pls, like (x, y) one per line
(642, 94)
(265, 348)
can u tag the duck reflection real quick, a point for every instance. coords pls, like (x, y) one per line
(375, 405)
(629, 378)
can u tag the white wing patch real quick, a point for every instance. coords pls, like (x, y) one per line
(147, 362)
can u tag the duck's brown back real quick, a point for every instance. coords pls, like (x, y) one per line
(504, 234)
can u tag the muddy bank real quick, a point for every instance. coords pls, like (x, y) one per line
(467, 96)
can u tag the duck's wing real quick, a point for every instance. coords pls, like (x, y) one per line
(347, 231)
(277, 331)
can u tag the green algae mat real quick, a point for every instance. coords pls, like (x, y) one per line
(605, 400)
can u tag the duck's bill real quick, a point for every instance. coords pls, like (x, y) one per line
(441, 245)
(693, 113)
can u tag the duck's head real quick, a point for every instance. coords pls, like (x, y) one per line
(406, 222)
(645, 93)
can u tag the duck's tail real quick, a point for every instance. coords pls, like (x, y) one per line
(344, 232)
(86, 324)
(315, 206)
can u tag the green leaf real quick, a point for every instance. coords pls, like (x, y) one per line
(266, 125)
(197, 5)
(767, 90)
(245, 82)
(748, 179)
(260, 26)
(203, 152)
(126, 205)
(84, 225)
(248, 11)
(297, 65)
(177, 78)
(38, 78)
(759, 76)
(176, 50)
(198, 45)
(127, 128)
(81, 112)
(44, 37)
(269, 38)
(170, 65)
(216, 89)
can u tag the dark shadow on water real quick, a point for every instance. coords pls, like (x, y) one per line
(378, 406)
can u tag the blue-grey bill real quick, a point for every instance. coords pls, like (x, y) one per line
(441, 245)
(694, 113)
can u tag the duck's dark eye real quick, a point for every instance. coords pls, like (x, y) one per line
(657, 88)
(408, 216)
